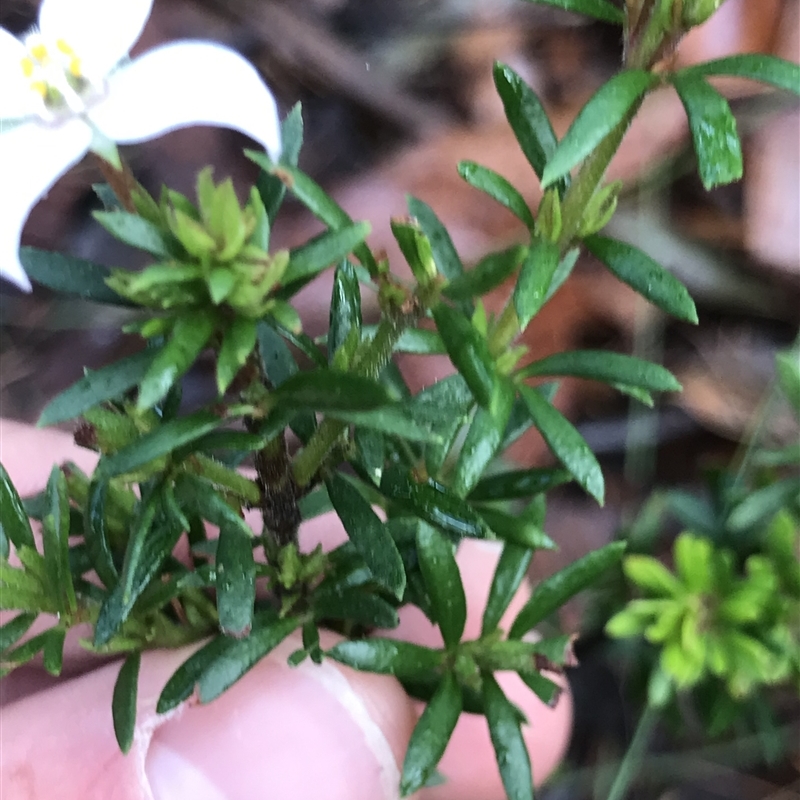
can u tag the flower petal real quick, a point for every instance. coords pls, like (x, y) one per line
(32, 157)
(188, 83)
(16, 97)
(101, 32)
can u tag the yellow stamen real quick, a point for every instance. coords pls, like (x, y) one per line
(27, 67)
(39, 52)
(64, 48)
(75, 67)
(40, 87)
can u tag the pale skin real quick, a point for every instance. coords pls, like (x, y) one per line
(327, 733)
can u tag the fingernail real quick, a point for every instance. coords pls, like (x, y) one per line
(279, 732)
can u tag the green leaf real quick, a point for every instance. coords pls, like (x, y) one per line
(55, 539)
(468, 350)
(416, 249)
(644, 275)
(487, 274)
(14, 524)
(71, 277)
(238, 342)
(270, 188)
(97, 387)
(713, 127)
(404, 660)
(369, 535)
(324, 250)
(599, 9)
(551, 593)
(140, 531)
(650, 574)
(189, 338)
(395, 420)
(604, 111)
(528, 119)
(787, 365)
(135, 231)
(443, 581)
(760, 506)
(14, 630)
(53, 650)
(123, 703)
(96, 536)
(417, 341)
(159, 442)
(600, 365)
(518, 528)
(535, 278)
(371, 449)
(236, 580)
(330, 390)
(509, 746)
(498, 188)
(431, 735)
(519, 483)
(563, 271)
(755, 66)
(356, 607)
(565, 442)
(444, 251)
(508, 576)
(345, 311)
(546, 690)
(233, 662)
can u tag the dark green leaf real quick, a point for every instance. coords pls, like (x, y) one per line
(508, 576)
(238, 342)
(469, 352)
(53, 650)
(369, 534)
(371, 449)
(236, 580)
(600, 365)
(233, 662)
(355, 606)
(604, 111)
(551, 593)
(13, 518)
(96, 534)
(140, 531)
(566, 443)
(97, 387)
(644, 275)
(756, 66)
(330, 390)
(546, 690)
(486, 275)
(716, 140)
(345, 311)
(760, 506)
(527, 117)
(271, 188)
(599, 9)
(444, 251)
(519, 483)
(14, 630)
(189, 338)
(159, 442)
(509, 746)
(431, 735)
(498, 188)
(123, 703)
(563, 271)
(395, 420)
(535, 278)
(419, 341)
(135, 231)
(324, 250)
(518, 528)
(69, 276)
(55, 538)
(404, 660)
(443, 581)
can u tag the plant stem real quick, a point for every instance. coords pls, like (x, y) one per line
(635, 754)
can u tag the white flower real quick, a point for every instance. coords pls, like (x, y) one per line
(60, 95)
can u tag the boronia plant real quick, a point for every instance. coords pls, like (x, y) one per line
(408, 475)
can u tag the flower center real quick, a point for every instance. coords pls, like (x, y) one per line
(55, 72)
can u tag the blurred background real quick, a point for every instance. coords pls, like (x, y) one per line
(394, 94)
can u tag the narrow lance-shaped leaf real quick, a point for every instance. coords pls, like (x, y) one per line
(345, 311)
(236, 580)
(14, 630)
(369, 534)
(498, 188)
(444, 252)
(551, 593)
(431, 735)
(713, 127)
(756, 66)
(519, 483)
(404, 660)
(96, 535)
(330, 390)
(238, 342)
(135, 231)
(14, 522)
(565, 442)
(443, 581)
(534, 281)
(53, 650)
(601, 114)
(486, 275)
(416, 249)
(644, 275)
(508, 576)
(123, 703)
(55, 536)
(599, 9)
(324, 250)
(270, 188)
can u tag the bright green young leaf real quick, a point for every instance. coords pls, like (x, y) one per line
(498, 188)
(404, 660)
(527, 118)
(55, 538)
(345, 311)
(238, 342)
(509, 746)
(599, 9)
(565, 442)
(189, 338)
(123, 703)
(486, 275)
(97, 387)
(651, 575)
(444, 252)
(519, 483)
(329, 390)
(416, 249)
(369, 534)
(508, 576)
(443, 581)
(604, 111)
(69, 276)
(14, 524)
(644, 275)
(535, 278)
(755, 66)
(716, 140)
(236, 581)
(135, 231)
(551, 593)
(325, 250)
(431, 735)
